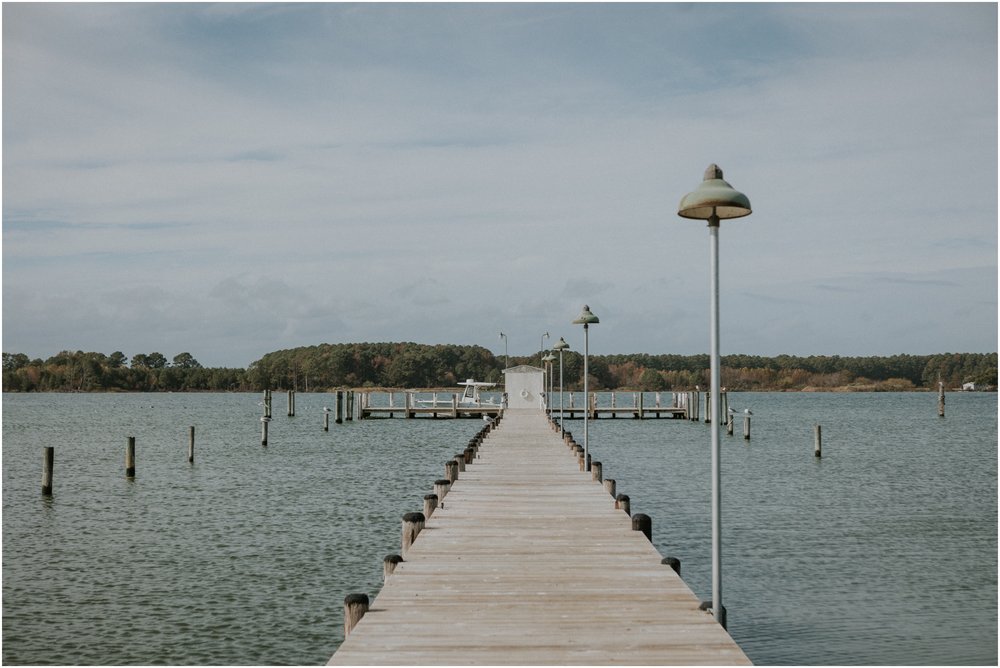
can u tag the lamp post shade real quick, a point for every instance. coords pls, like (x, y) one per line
(714, 197)
(586, 317)
(560, 344)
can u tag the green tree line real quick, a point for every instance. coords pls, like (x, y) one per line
(411, 365)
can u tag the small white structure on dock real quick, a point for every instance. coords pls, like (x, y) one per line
(524, 386)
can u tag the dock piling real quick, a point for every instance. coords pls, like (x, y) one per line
(413, 524)
(818, 441)
(644, 523)
(130, 457)
(48, 459)
(191, 444)
(355, 607)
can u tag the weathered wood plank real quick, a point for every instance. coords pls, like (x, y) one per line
(526, 561)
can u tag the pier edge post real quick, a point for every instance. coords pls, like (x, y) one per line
(644, 523)
(355, 607)
(413, 524)
(389, 565)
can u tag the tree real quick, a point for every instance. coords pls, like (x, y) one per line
(186, 361)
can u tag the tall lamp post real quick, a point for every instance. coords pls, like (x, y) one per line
(714, 200)
(586, 318)
(506, 357)
(541, 346)
(549, 359)
(561, 345)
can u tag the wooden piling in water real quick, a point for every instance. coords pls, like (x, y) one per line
(673, 562)
(48, 460)
(441, 488)
(746, 426)
(596, 471)
(622, 503)
(413, 524)
(940, 399)
(389, 565)
(130, 457)
(818, 441)
(326, 420)
(644, 523)
(263, 430)
(340, 407)
(191, 444)
(609, 486)
(355, 607)
(430, 503)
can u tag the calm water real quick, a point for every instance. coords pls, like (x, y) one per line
(882, 552)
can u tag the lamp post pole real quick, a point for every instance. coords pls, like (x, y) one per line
(541, 345)
(586, 318)
(549, 359)
(561, 345)
(506, 357)
(713, 200)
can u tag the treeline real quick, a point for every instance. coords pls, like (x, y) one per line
(411, 365)
(96, 372)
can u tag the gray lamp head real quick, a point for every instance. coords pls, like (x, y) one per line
(714, 197)
(586, 317)
(560, 344)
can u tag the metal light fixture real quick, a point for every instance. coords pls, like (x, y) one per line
(541, 346)
(561, 345)
(506, 357)
(586, 318)
(548, 359)
(713, 200)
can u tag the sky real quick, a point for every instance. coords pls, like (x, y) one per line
(233, 179)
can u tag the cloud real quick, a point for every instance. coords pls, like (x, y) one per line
(351, 169)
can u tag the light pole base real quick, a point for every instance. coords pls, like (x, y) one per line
(707, 607)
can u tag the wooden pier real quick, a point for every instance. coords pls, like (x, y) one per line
(449, 406)
(526, 560)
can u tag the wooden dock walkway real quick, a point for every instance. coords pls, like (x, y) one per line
(526, 561)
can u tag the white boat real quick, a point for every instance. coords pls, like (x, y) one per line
(470, 397)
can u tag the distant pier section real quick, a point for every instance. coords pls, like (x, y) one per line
(443, 404)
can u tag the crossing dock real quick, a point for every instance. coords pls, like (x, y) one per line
(526, 560)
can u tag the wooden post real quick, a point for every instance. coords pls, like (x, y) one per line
(430, 503)
(191, 444)
(291, 405)
(389, 565)
(326, 420)
(644, 523)
(130, 457)
(339, 418)
(940, 398)
(413, 524)
(441, 488)
(729, 422)
(460, 460)
(818, 439)
(596, 471)
(263, 430)
(609, 486)
(355, 607)
(673, 562)
(48, 458)
(622, 503)
(451, 470)
(746, 426)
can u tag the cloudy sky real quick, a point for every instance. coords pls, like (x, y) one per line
(233, 179)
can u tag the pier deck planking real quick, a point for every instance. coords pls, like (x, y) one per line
(528, 562)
